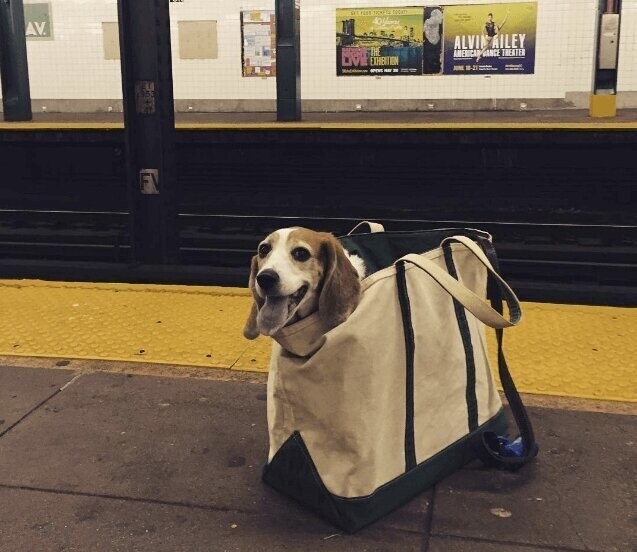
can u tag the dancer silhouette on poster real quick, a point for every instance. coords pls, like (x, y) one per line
(489, 32)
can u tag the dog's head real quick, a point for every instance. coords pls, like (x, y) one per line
(296, 272)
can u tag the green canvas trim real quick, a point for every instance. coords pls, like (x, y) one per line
(465, 334)
(410, 349)
(293, 473)
(381, 249)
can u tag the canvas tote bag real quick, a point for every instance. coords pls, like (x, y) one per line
(364, 416)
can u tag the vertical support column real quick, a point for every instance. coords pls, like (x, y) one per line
(14, 66)
(288, 60)
(604, 99)
(149, 116)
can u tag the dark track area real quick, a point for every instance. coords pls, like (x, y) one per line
(560, 204)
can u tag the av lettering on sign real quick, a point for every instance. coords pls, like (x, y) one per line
(379, 41)
(490, 38)
(37, 21)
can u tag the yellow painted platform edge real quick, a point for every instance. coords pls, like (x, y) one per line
(409, 126)
(216, 291)
(234, 362)
(142, 360)
(29, 126)
(503, 126)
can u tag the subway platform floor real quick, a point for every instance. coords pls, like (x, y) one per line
(91, 459)
(126, 454)
(159, 445)
(559, 118)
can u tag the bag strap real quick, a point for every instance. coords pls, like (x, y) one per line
(374, 227)
(467, 298)
(495, 450)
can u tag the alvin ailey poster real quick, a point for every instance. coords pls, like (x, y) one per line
(490, 38)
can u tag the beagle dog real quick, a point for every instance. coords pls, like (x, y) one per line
(296, 272)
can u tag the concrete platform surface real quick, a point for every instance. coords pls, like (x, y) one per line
(23, 390)
(370, 120)
(96, 461)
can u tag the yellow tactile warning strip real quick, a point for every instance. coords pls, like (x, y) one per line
(337, 126)
(565, 350)
(167, 324)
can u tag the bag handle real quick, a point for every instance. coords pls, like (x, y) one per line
(467, 298)
(513, 303)
(374, 227)
(494, 450)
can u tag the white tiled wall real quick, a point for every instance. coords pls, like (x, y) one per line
(72, 66)
(219, 78)
(627, 74)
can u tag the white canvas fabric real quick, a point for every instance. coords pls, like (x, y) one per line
(344, 389)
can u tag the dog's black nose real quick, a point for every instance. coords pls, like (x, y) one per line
(267, 279)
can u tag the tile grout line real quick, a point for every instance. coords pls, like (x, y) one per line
(555, 547)
(76, 377)
(159, 502)
(41, 403)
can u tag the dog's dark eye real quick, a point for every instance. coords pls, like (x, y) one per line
(264, 249)
(301, 254)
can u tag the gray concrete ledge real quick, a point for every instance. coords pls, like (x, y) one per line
(572, 100)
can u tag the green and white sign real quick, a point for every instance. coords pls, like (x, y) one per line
(37, 21)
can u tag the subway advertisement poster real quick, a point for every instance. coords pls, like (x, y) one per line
(432, 44)
(490, 38)
(379, 41)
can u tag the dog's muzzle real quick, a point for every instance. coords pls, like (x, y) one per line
(277, 310)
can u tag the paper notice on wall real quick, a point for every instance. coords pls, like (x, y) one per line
(258, 33)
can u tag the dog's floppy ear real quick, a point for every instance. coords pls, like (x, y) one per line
(341, 284)
(250, 330)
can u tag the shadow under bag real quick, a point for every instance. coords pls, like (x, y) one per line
(365, 416)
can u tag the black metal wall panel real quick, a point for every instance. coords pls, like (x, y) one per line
(584, 178)
(530, 177)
